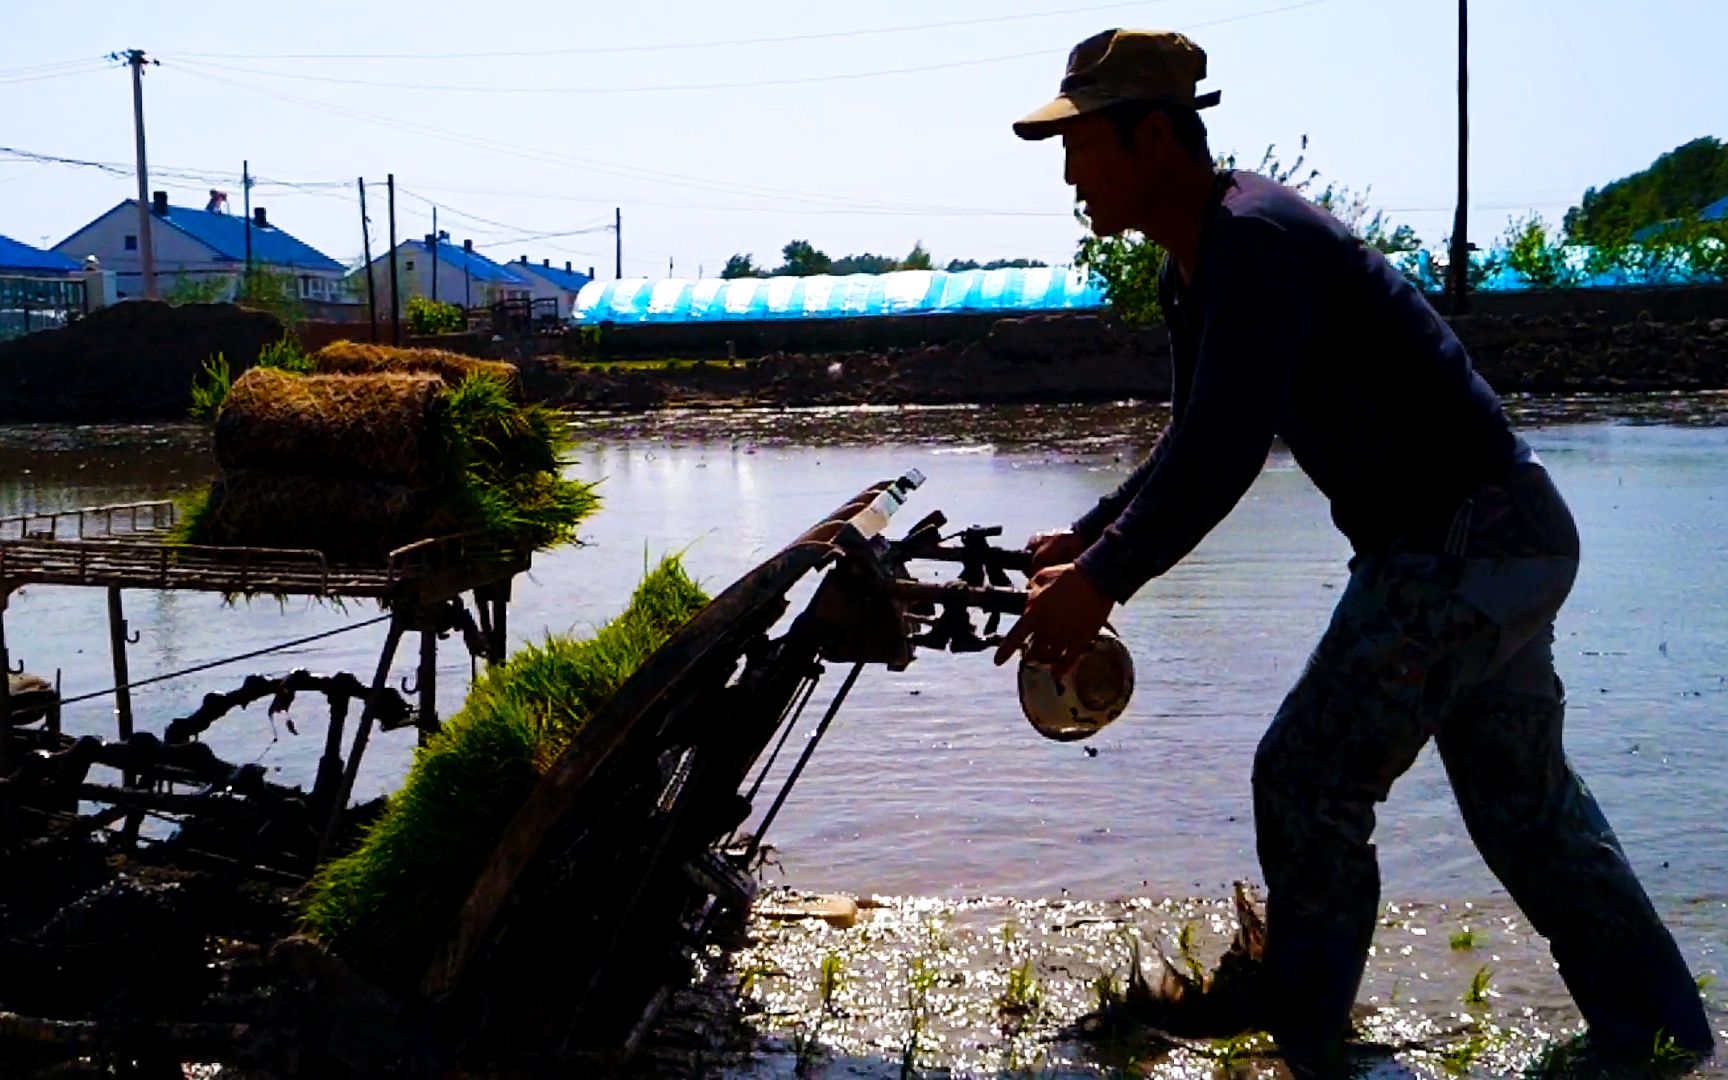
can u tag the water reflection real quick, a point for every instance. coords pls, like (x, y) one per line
(931, 782)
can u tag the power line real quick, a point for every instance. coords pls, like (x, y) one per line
(576, 162)
(596, 90)
(489, 221)
(52, 75)
(56, 65)
(800, 80)
(772, 208)
(598, 50)
(117, 168)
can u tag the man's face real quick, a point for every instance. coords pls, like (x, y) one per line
(1113, 181)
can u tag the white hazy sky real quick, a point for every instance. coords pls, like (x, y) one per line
(722, 127)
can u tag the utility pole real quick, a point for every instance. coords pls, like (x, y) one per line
(395, 288)
(1459, 260)
(246, 205)
(366, 253)
(618, 239)
(135, 59)
(434, 254)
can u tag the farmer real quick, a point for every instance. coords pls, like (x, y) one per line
(1282, 324)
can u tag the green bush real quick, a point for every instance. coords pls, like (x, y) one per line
(207, 289)
(1536, 254)
(1126, 267)
(210, 388)
(211, 385)
(427, 317)
(285, 354)
(275, 291)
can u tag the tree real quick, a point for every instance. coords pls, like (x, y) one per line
(864, 264)
(1540, 258)
(205, 289)
(1127, 268)
(803, 260)
(742, 266)
(1349, 207)
(276, 291)
(917, 258)
(955, 266)
(1680, 182)
(427, 317)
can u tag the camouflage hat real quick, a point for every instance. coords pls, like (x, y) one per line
(1156, 66)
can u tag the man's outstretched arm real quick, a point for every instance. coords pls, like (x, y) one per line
(1256, 319)
(1183, 355)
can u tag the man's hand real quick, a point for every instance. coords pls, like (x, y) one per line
(1064, 612)
(1051, 548)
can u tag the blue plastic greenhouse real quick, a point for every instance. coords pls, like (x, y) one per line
(903, 292)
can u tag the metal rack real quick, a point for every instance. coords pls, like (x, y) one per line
(129, 546)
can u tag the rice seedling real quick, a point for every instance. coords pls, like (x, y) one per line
(1457, 1059)
(1232, 1053)
(1666, 1054)
(386, 905)
(469, 458)
(355, 358)
(807, 1043)
(1020, 997)
(485, 428)
(1478, 993)
(210, 388)
(1559, 1059)
(1704, 982)
(1106, 991)
(211, 385)
(920, 980)
(191, 517)
(1190, 960)
(285, 354)
(1464, 940)
(831, 979)
(749, 978)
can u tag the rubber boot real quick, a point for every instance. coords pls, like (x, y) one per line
(1313, 970)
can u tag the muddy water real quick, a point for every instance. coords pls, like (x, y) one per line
(931, 784)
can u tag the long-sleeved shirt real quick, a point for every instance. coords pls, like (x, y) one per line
(1293, 328)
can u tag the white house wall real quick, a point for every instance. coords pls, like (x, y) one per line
(176, 252)
(178, 255)
(453, 286)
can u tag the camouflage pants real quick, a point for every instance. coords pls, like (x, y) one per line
(1454, 646)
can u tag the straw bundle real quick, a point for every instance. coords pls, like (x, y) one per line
(361, 449)
(386, 906)
(353, 358)
(348, 520)
(380, 427)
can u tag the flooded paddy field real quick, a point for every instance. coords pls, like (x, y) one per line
(1000, 987)
(933, 793)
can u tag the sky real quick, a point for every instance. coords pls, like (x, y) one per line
(719, 128)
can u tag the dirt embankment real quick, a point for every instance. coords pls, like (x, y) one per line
(132, 361)
(1039, 358)
(137, 361)
(1591, 352)
(1087, 358)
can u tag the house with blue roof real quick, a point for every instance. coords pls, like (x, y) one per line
(440, 270)
(551, 283)
(38, 289)
(18, 259)
(198, 246)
